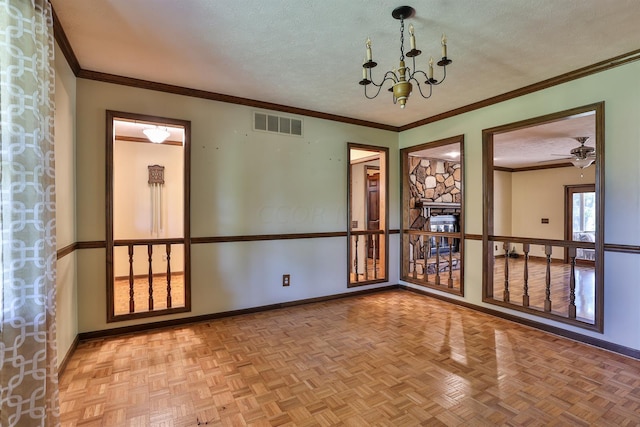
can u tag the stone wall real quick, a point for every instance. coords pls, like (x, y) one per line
(431, 180)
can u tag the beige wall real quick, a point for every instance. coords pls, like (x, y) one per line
(522, 199)
(66, 300)
(540, 194)
(242, 183)
(502, 209)
(620, 90)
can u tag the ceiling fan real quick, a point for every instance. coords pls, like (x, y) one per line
(583, 155)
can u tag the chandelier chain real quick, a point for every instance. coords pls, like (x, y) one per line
(401, 39)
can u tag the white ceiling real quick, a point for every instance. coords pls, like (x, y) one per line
(308, 53)
(134, 129)
(543, 145)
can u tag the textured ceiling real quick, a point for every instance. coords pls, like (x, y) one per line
(545, 144)
(308, 53)
(535, 146)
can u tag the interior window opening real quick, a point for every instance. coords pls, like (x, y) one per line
(147, 216)
(543, 242)
(368, 212)
(433, 215)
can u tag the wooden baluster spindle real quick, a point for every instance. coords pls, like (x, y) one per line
(355, 260)
(547, 301)
(375, 250)
(572, 284)
(132, 305)
(366, 256)
(150, 253)
(506, 247)
(438, 260)
(525, 296)
(416, 254)
(450, 242)
(168, 249)
(427, 255)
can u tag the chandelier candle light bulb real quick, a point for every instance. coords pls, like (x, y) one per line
(412, 39)
(444, 45)
(404, 78)
(430, 72)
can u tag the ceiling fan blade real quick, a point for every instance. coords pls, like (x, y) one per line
(554, 160)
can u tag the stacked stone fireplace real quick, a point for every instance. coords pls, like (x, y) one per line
(434, 204)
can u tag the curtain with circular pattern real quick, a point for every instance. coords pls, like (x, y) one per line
(28, 378)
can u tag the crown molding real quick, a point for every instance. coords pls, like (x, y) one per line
(554, 81)
(64, 44)
(213, 96)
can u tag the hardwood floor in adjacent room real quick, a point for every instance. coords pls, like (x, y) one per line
(391, 358)
(585, 290)
(141, 293)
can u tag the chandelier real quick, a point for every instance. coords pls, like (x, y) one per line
(156, 134)
(402, 77)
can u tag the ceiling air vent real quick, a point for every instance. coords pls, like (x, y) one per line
(278, 124)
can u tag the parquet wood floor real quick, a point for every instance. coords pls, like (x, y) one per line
(392, 358)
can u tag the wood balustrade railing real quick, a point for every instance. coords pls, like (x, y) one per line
(362, 241)
(433, 255)
(149, 244)
(554, 281)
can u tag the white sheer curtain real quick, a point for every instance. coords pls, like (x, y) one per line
(28, 379)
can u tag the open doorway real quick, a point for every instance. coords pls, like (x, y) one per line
(368, 211)
(147, 216)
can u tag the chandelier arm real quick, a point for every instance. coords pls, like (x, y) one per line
(414, 67)
(444, 76)
(420, 88)
(377, 92)
(413, 76)
(389, 75)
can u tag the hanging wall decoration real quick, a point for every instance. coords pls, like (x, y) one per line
(156, 185)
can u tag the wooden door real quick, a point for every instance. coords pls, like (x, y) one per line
(373, 212)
